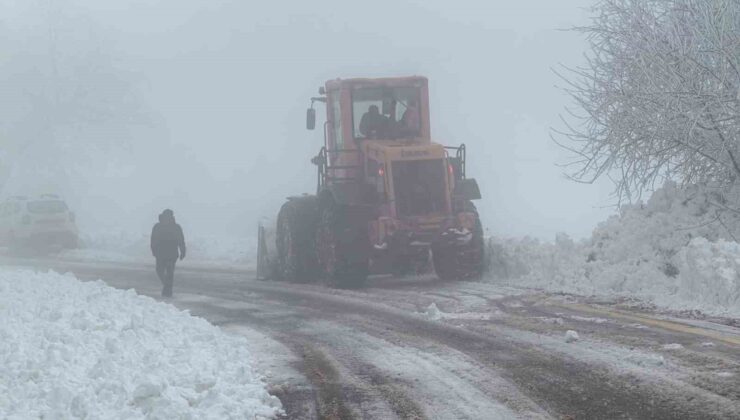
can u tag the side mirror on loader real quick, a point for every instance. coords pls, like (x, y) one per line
(310, 118)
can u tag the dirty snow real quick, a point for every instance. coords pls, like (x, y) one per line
(589, 319)
(447, 384)
(74, 349)
(672, 347)
(571, 336)
(432, 312)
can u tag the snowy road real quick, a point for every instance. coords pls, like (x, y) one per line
(418, 348)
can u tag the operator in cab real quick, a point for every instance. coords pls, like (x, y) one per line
(373, 124)
(411, 120)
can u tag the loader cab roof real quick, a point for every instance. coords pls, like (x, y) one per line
(336, 84)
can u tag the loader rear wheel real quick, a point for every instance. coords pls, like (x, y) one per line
(461, 262)
(339, 246)
(296, 227)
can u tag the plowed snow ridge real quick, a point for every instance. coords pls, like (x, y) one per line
(672, 252)
(72, 349)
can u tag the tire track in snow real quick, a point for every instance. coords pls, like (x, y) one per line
(566, 386)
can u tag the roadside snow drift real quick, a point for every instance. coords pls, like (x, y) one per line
(72, 349)
(675, 251)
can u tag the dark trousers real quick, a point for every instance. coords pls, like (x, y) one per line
(166, 273)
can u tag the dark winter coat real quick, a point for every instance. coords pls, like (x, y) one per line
(374, 125)
(167, 239)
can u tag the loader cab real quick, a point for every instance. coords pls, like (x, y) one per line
(402, 116)
(402, 111)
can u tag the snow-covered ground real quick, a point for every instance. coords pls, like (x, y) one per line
(676, 251)
(126, 246)
(72, 349)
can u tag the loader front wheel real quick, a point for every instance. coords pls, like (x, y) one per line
(461, 262)
(296, 227)
(341, 257)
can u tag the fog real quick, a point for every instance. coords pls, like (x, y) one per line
(128, 107)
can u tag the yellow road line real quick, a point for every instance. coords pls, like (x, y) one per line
(660, 323)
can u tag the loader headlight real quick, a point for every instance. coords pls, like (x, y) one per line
(466, 221)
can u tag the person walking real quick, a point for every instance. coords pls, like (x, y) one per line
(168, 243)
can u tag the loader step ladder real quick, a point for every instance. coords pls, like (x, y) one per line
(326, 172)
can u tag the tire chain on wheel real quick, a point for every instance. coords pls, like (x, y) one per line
(335, 233)
(464, 262)
(296, 228)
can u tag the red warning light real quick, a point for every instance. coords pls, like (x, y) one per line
(381, 171)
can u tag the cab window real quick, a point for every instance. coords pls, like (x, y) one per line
(336, 122)
(377, 112)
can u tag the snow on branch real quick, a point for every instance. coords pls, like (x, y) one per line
(658, 95)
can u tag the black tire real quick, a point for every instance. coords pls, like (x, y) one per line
(461, 262)
(296, 227)
(340, 246)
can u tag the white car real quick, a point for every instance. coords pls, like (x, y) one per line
(40, 222)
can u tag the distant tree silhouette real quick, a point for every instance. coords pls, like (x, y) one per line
(66, 106)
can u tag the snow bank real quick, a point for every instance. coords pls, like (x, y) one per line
(675, 251)
(72, 349)
(709, 274)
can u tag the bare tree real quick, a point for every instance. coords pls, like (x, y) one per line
(658, 95)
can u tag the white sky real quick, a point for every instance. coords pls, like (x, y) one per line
(231, 81)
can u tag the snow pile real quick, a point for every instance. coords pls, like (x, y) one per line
(85, 350)
(432, 312)
(709, 274)
(675, 251)
(524, 261)
(571, 336)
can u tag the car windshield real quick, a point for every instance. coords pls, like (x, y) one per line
(385, 112)
(47, 206)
